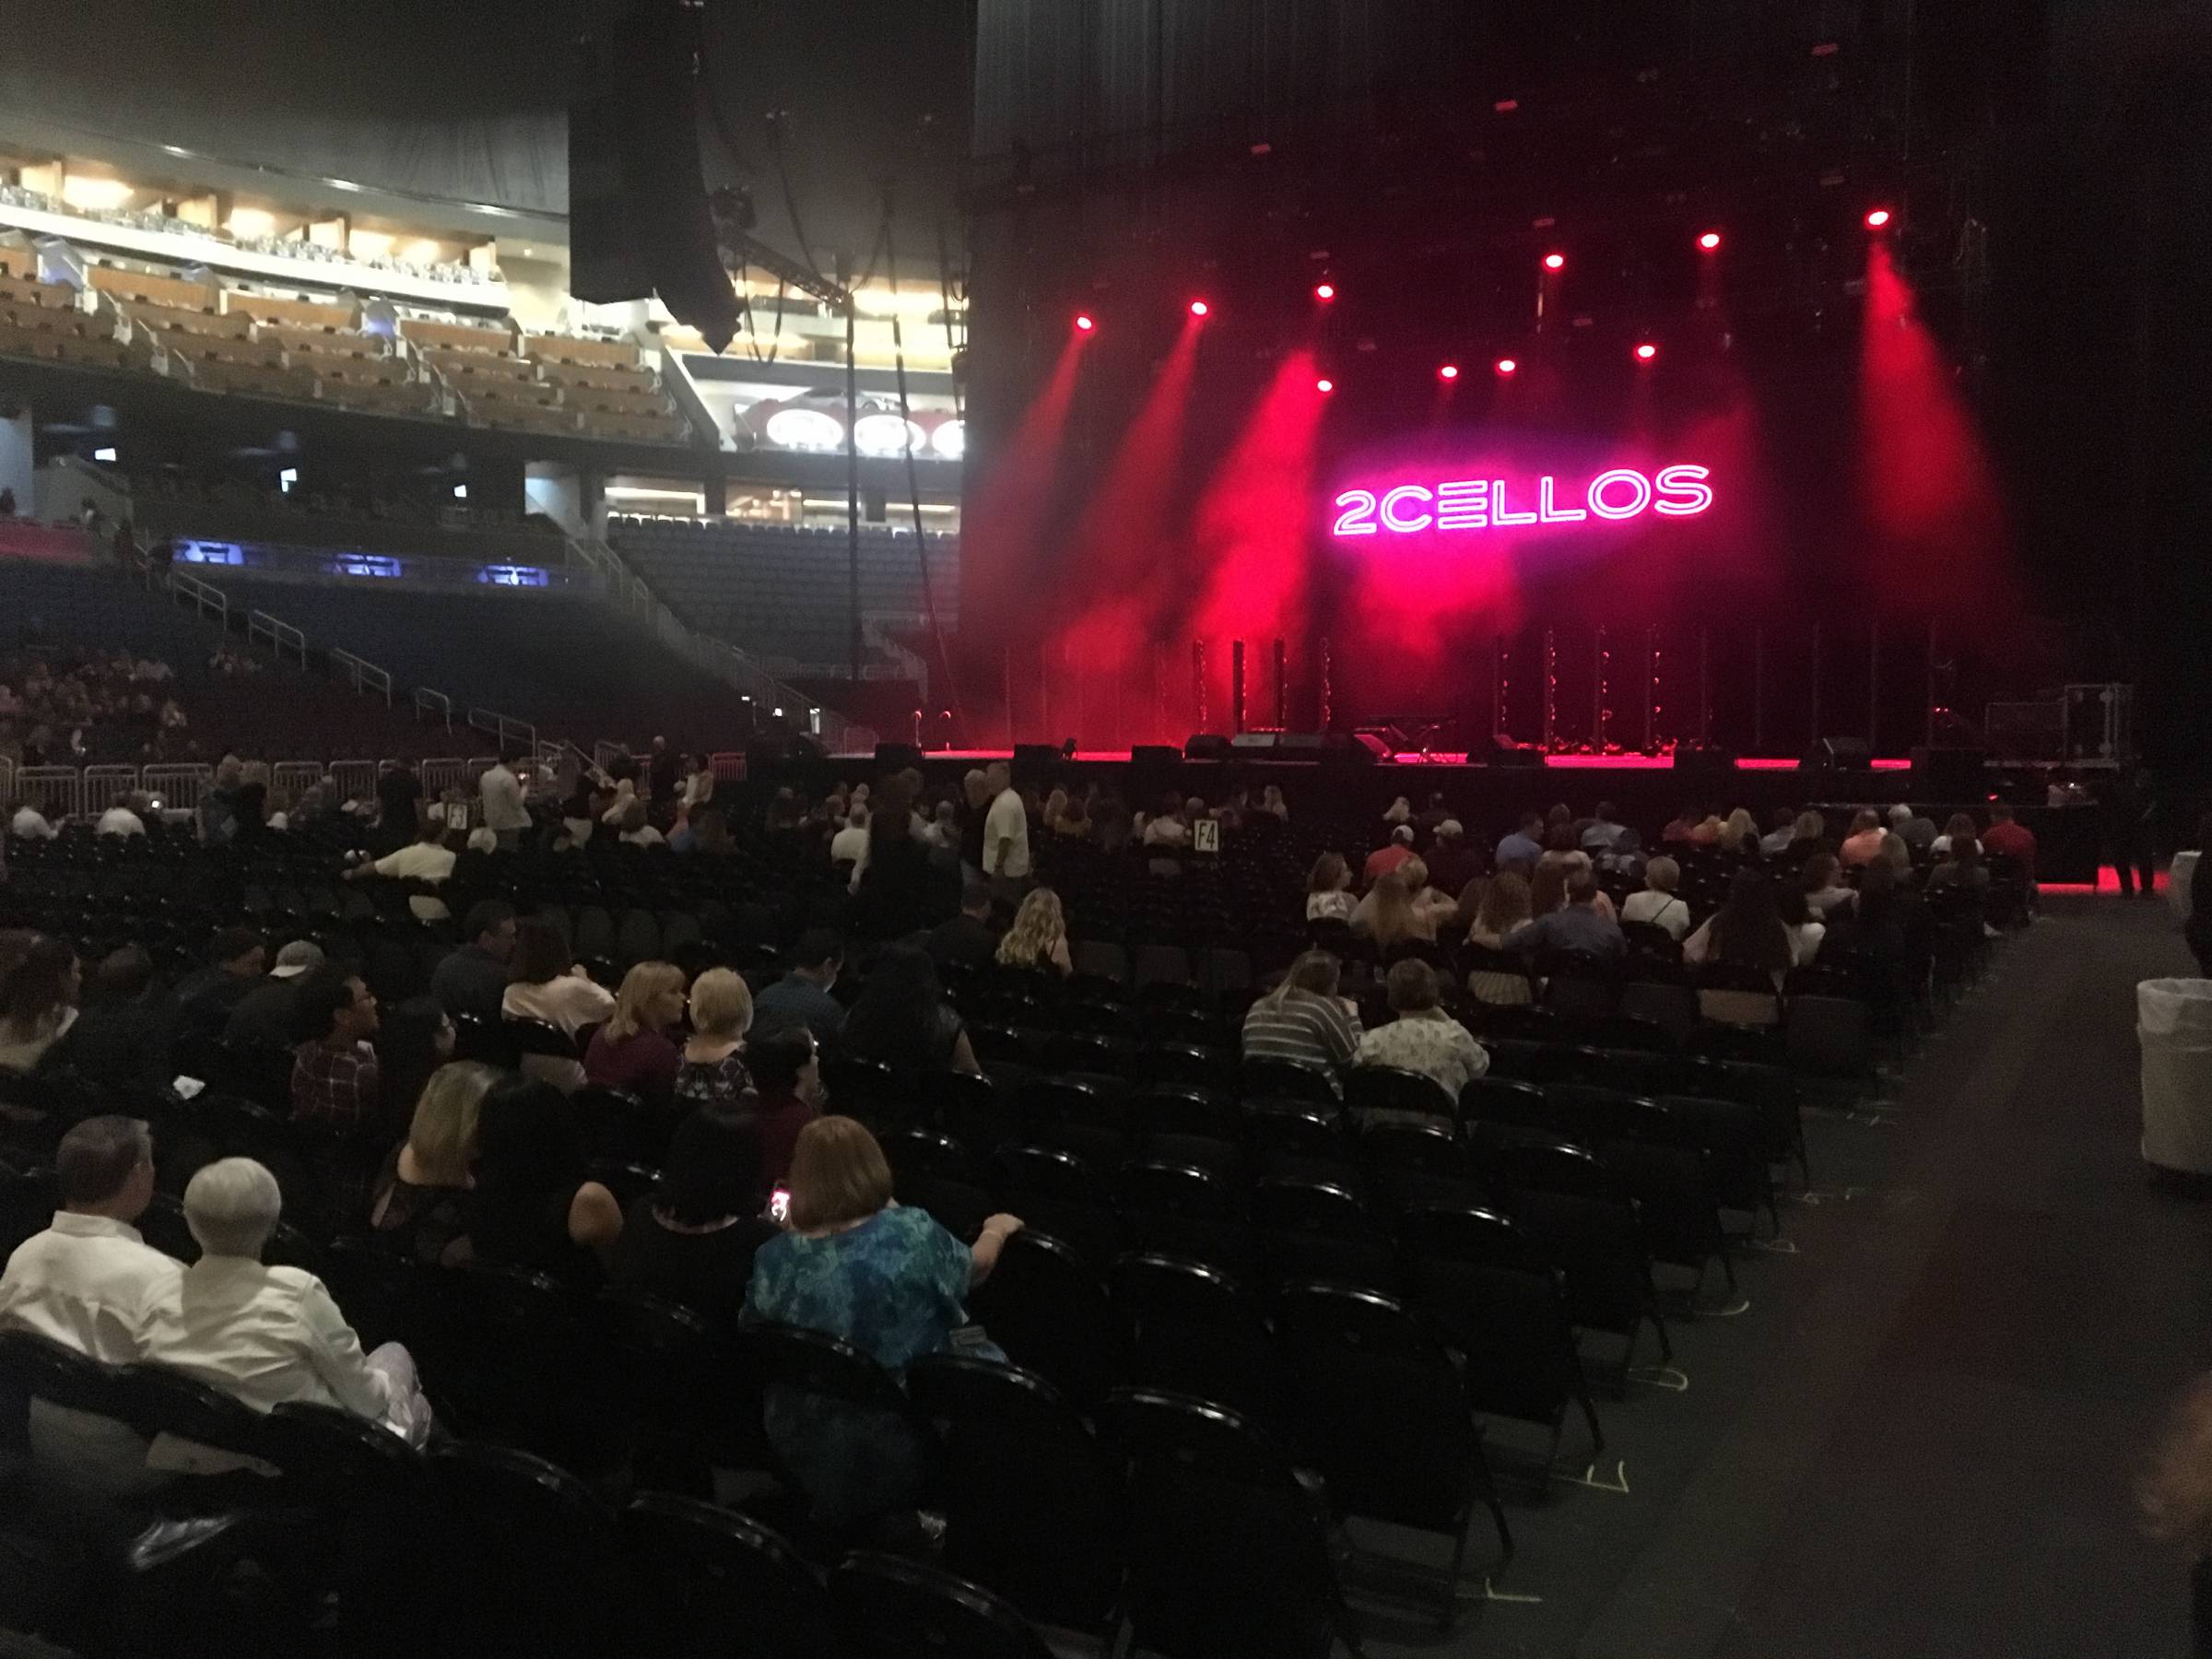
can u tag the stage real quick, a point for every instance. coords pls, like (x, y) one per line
(1646, 791)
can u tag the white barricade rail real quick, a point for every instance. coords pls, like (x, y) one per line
(103, 784)
(356, 780)
(177, 784)
(438, 776)
(7, 780)
(727, 763)
(294, 778)
(57, 791)
(604, 754)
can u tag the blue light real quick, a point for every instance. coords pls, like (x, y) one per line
(365, 564)
(210, 553)
(512, 576)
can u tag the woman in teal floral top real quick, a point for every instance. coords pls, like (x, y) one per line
(889, 1280)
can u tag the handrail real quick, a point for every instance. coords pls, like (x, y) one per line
(631, 594)
(428, 702)
(281, 637)
(510, 732)
(362, 676)
(206, 599)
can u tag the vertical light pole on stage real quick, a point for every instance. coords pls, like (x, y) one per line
(1816, 738)
(1758, 689)
(1325, 689)
(1650, 689)
(1704, 684)
(1551, 690)
(1236, 687)
(1198, 682)
(1873, 688)
(1599, 658)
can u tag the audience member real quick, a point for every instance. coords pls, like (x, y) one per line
(38, 1003)
(1603, 829)
(337, 1085)
(120, 1038)
(1273, 804)
(29, 823)
(787, 1080)
(412, 1041)
(122, 817)
(1505, 911)
(1738, 833)
(1423, 1038)
(968, 939)
(636, 831)
(1778, 838)
(1656, 905)
(1399, 811)
(1451, 861)
(632, 1051)
(534, 1205)
(267, 1017)
(902, 1019)
(1388, 914)
(802, 996)
(1170, 826)
(1824, 890)
(1577, 926)
(1863, 844)
(693, 1238)
(712, 1069)
(1808, 838)
(1547, 888)
(1746, 931)
(1005, 834)
(266, 1335)
(1038, 940)
(1919, 831)
(472, 980)
(1301, 1020)
(506, 812)
(420, 1203)
(426, 859)
(91, 1284)
(1805, 930)
(1386, 858)
(888, 1280)
(2006, 838)
(399, 805)
(1329, 890)
(544, 985)
(202, 999)
(1958, 827)
(848, 846)
(1961, 867)
(1523, 846)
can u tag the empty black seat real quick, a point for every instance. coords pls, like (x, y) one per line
(886, 1606)
(1197, 1332)
(716, 1584)
(1049, 1309)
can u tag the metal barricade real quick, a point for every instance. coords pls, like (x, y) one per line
(177, 784)
(7, 780)
(281, 637)
(103, 784)
(727, 763)
(356, 780)
(364, 676)
(438, 776)
(57, 791)
(293, 778)
(604, 754)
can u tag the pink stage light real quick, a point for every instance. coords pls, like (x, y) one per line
(1877, 218)
(1450, 372)
(1710, 240)
(1646, 352)
(1555, 262)
(1506, 368)
(1085, 323)
(1324, 385)
(1199, 308)
(1325, 290)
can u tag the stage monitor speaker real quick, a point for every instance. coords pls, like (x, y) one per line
(896, 756)
(639, 222)
(1035, 762)
(1514, 755)
(1950, 774)
(1206, 746)
(777, 760)
(1842, 754)
(1704, 759)
(1155, 757)
(1302, 745)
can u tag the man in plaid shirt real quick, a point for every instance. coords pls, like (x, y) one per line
(334, 1085)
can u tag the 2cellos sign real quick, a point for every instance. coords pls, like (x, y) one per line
(1682, 490)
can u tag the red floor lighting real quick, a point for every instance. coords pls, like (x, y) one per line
(1450, 372)
(1506, 367)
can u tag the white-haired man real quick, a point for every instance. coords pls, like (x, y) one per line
(266, 1334)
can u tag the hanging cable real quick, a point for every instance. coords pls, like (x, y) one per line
(914, 476)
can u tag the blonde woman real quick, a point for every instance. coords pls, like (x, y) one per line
(712, 1071)
(632, 1052)
(1389, 915)
(1739, 833)
(1038, 940)
(422, 1194)
(1505, 911)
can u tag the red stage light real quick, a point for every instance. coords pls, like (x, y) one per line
(1199, 308)
(1555, 262)
(1506, 366)
(1085, 323)
(1325, 290)
(1324, 385)
(1710, 240)
(1878, 218)
(1646, 351)
(1449, 371)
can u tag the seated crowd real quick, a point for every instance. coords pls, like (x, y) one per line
(468, 1122)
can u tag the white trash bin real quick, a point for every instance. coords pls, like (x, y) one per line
(2173, 1021)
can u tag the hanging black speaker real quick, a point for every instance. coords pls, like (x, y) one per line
(639, 224)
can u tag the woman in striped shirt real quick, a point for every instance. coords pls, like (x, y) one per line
(1301, 1019)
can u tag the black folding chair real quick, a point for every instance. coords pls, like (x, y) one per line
(716, 1584)
(1198, 1332)
(886, 1606)
(1377, 1093)
(1381, 1411)
(1312, 1230)
(1050, 1311)
(529, 1557)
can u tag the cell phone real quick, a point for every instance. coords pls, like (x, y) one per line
(779, 1206)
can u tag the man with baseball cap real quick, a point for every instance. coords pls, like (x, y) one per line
(264, 1017)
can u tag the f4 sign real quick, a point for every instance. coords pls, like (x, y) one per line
(1682, 490)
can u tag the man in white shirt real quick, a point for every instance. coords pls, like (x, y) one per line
(266, 1335)
(91, 1283)
(119, 819)
(1006, 833)
(1170, 829)
(505, 814)
(426, 858)
(850, 845)
(29, 823)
